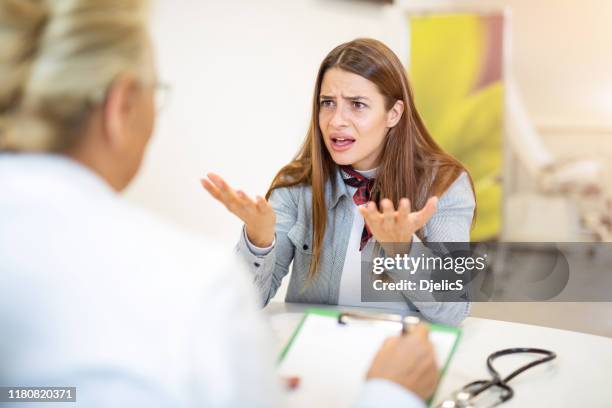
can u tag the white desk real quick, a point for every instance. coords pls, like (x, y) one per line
(580, 376)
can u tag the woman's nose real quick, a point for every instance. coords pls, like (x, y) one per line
(338, 119)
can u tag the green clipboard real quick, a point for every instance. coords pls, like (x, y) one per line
(450, 343)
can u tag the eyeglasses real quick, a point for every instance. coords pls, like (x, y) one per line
(162, 96)
(466, 396)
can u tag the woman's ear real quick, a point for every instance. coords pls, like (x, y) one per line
(395, 113)
(119, 103)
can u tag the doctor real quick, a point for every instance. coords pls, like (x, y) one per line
(98, 294)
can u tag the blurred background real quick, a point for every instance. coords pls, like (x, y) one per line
(520, 91)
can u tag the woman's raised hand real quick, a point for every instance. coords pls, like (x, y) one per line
(257, 214)
(391, 226)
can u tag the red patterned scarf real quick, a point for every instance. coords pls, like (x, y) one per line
(362, 195)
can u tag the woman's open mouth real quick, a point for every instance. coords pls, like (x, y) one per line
(341, 143)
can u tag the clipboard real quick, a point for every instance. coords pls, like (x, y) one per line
(331, 351)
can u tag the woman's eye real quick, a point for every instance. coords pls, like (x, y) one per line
(326, 103)
(359, 105)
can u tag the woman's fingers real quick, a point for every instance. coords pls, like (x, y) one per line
(217, 181)
(257, 214)
(388, 214)
(245, 199)
(212, 189)
(261, 204)
(226, 191)
(371, 216)
(228, 195)
(377, 221)
(389, 225)
(422, 217)
(234, 200)
(364, 213)
(403, 210)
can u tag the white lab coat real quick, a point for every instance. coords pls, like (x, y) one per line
(97, 294)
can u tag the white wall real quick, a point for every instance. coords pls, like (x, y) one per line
(563, 60)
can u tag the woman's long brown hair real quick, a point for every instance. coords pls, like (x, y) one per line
(411, 165)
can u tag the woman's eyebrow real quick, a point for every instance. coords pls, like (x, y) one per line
(356, 98)
(349, 98)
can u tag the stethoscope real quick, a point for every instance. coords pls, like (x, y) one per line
(464, 398)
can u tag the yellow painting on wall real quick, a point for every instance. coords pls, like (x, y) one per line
(455, 68)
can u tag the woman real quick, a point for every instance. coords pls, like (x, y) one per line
(366, 145)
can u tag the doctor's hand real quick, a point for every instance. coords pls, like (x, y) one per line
(257, 214)
(408, 360)
(389, 225)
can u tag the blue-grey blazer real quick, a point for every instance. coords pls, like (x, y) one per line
(293, 244)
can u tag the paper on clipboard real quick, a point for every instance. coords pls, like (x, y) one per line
(331, 359)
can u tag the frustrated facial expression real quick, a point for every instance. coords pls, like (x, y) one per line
(353, 118)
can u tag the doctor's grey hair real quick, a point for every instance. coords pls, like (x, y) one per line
(57, 60)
